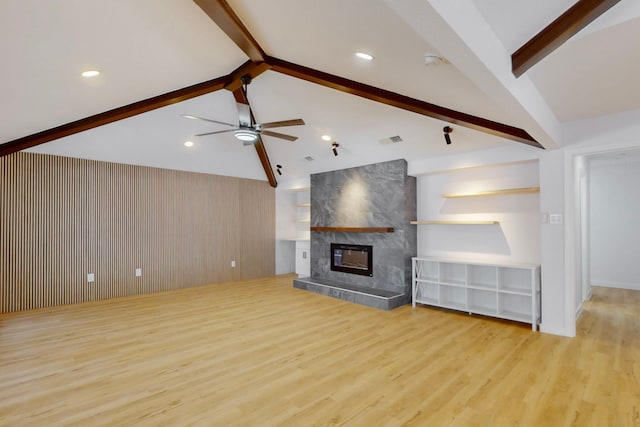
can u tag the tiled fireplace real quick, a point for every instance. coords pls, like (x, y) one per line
(368, 206)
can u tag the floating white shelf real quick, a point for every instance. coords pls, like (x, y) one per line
(526, 190)
(452, 222)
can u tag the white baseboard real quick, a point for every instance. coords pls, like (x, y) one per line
(620, 285)
(554, 331)
(579, 311)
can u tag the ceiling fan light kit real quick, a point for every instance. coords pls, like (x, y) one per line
(246, 135)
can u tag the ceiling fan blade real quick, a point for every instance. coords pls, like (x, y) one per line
(278, 135)
(216, 132)
(244, 114)
(189, 116)
(283, 123)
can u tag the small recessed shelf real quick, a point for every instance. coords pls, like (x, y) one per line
(527, 190)
(354, 229)
(304, 205)
(304, 220)
(446, 222)
(299, 189)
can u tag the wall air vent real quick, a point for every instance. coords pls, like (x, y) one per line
(391, 140)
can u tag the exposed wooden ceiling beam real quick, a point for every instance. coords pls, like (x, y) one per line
(114, 115)
(402, 101)
(559, 31)
(249, 68)
(241, 97)
(222, 14)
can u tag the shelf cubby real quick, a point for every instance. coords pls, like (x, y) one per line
(452, 297)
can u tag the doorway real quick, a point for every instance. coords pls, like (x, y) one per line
(607, 203)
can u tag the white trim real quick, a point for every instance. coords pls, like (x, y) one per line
(614, 284)
(552, 330)
(579, 310)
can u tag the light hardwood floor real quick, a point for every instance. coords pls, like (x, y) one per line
(261, 353)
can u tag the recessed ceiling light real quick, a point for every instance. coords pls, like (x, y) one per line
(188, 144)
(326, 137)
(365, 56)
(90, 73)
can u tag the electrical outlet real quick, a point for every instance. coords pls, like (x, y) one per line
(138, 272)
(91, 277)
(233, 263)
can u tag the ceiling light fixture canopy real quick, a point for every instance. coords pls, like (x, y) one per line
(246, 135)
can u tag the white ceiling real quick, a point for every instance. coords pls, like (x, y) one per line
(147, 47)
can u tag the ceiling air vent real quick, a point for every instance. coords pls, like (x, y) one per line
(391, 140)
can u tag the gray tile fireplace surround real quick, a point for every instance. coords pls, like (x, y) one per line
(378, 195)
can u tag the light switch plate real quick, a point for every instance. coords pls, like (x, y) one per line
(555, 219)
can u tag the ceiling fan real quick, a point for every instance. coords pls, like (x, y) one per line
(247, 130)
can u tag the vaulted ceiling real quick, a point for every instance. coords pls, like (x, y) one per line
(147, 49)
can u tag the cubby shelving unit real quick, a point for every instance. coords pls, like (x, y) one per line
(508, 291)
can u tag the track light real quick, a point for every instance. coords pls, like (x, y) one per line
(447, 130)
(278, 167)
(334, 148)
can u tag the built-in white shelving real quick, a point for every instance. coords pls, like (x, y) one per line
(302, 204)
(508, 291)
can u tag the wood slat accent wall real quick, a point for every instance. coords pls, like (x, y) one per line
(62, 218)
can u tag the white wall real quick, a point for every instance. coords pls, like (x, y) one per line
(515, 239)
(557, 310)
(614, 213)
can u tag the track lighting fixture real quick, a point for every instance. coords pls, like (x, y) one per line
(334, 148)
(278, 167)
(447, 130)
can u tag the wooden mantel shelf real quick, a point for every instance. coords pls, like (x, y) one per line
(354, 229)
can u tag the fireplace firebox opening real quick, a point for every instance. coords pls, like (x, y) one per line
(354, 259)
